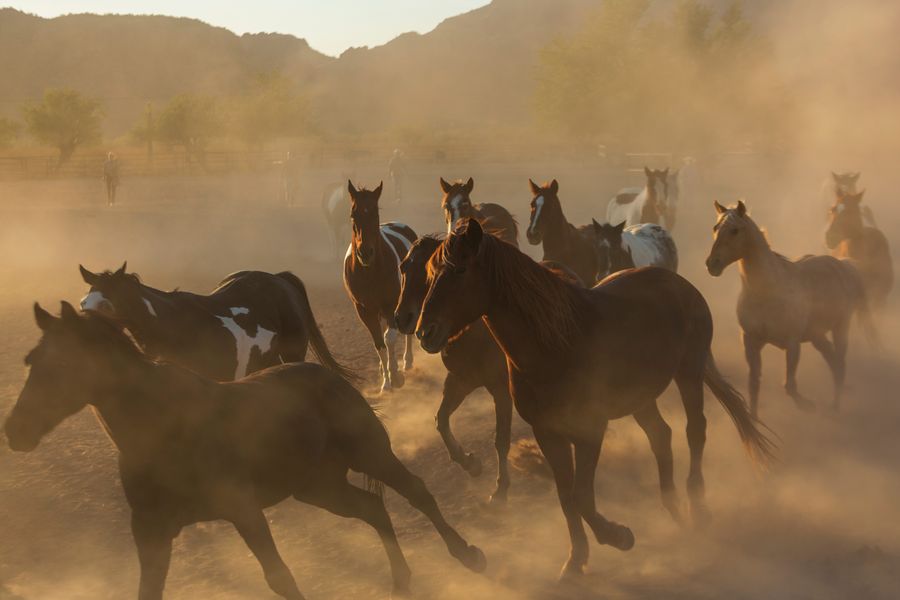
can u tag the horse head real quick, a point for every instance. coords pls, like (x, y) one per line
(365, 222)
(456, 202)
(545, 210)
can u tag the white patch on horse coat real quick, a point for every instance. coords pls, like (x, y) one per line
(94, 300)
(648, 244)
(453, 205)
(538, 206)
(631, 212)
(244, 343)
(149, 306)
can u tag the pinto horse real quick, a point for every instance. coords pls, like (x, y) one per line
(563, 243)
(252, 320)
(646, 205)
(578, 358)
(191, 449)
(457, 205)
(786, 303)
(372, 278)
(848, 236)
(618, 248)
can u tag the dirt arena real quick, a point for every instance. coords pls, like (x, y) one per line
(822, 524)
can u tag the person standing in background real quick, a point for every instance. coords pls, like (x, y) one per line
(397, 173)
(111, 177)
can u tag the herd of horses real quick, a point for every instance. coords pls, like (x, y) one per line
(216, 415)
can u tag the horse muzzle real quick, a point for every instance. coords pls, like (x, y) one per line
(405, 320)
(534, 237)
(714, 266)
(432, 337)
(20, 439)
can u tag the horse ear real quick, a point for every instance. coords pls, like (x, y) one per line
(43, 319)
(741, 208)
(470, 185)
(535, 188)
(620, 227)
(121, 270)
(554, 186)
(473, 234)
(719, 208)
(377, 191)
(648, 172)
(67, 311)
(445, 186)
(857, 197)
(88, 277)
(351, 189)
(665, 172)
(835, 177)
(597, 226)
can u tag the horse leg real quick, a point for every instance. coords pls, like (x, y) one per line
(690, 386)
(558, 452)
(792, 360)
(251, 524)
(373, 324)
(587, 453)
(753, 353)
(455, 391)
(408, 352)
(503, 412)
(346, 500)
(153, 535)
(659, 434)
(390, 342)
(379, 462)
(840, 335)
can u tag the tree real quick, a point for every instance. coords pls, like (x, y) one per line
(9, 131)
(271, 109)
(145, 131)
(191, 122)
(64, 119)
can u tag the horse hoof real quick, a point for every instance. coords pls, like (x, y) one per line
(397, 379)
(474, 560)
(700, 517)
(498, 498)
(400, 590)
(571, 571)
(617, 536)
(472, 465)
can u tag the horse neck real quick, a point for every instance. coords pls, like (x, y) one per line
(761, 269)
(146, 326)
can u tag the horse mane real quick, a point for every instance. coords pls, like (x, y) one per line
(546, 301)
(493, 225)
(113, 332)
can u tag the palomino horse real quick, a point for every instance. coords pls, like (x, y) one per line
(618, 248)
(786, 303)
(563, 242)
(646, 205)
(579, 357)
(335, 208)
(849, 237)
(457, 205)
(252, 320)
(192, 450)
(372, 278)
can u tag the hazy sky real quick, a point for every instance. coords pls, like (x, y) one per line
(330, 26)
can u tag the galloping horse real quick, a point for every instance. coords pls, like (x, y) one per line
(578, 358)
(252, 320)
(563, 243)
(647, 205)
(618, 248)
(335, 208)
(192, 450)
(372, 278)
(849, 237)
(786, 303)
(457, 205)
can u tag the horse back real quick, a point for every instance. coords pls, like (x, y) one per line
(499, 222)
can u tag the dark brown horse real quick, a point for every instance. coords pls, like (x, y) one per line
(457, 205)
(578, 358)
(786, 303)
(192, 450)
(848, 236)
(252, 320)
(372, 278)
(563, 242)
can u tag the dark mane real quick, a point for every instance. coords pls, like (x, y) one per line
(546, 301)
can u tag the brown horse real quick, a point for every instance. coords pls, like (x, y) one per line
(372, 278)
(848, 236)
(786, 303)
(457, 205)
(192, 450)
(578, 358)
(563, 242)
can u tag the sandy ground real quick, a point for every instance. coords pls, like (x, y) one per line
(822, 524)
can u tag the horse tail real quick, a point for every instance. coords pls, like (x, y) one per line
(316, 339)
(856, 287)
(760, 448)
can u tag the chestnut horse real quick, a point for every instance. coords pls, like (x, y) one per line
(786, 303)
(848, 236)
(578, 358)
(563, 242)
(372, 278)
(457, 205)
(191, 449)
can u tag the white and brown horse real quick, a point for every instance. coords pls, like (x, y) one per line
(649, 204)
(335, 208)
(252, 320)
(618, 248)
(372, 278)
(457, 205)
